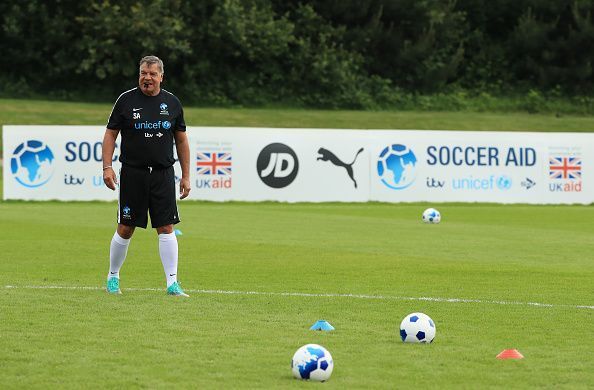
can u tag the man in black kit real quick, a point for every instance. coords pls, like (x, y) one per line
(149, 119)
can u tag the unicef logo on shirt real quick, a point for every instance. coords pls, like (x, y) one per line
(166, 125)
(31, 163)
(396, 166)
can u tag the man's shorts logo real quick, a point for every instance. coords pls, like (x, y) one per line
(277, 165)
(126, 212)
(396, 166)
(31, 163)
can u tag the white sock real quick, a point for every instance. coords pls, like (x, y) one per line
(168, 252)
(117, 254)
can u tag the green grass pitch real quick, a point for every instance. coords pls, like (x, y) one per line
(503, 258)
(249, 268)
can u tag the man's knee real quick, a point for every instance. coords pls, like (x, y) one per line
(167, 229)
(125, 231)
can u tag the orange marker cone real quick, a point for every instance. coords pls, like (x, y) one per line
(510, 354)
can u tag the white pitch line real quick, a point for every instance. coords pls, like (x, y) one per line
(312, 295)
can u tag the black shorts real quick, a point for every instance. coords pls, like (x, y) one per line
(145, 190)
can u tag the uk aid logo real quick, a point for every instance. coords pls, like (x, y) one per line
(31, 163)
(214, 169)
(565, 171)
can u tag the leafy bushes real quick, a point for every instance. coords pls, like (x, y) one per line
(364, 54)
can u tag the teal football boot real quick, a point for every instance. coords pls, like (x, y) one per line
(175, 289)
(113, 285)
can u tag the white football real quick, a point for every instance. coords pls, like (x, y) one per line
(417, 328)
(312, 361)
(431, 216)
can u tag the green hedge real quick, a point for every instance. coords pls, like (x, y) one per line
(316, 53)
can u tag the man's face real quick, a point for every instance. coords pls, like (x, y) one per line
(150, 79)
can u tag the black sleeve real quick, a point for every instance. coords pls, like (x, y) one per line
(116, 119)
(181, 122)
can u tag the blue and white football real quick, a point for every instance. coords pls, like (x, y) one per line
(312, 361)
(417, 328)
(431, 216)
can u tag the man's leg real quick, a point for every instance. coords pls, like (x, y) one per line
(168, 250)
(117, 254)
(133, 204)
(164, 215)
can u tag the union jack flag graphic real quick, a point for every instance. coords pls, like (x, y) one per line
(209, 163)
(565, 168)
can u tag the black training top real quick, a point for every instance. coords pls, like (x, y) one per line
(147, 124)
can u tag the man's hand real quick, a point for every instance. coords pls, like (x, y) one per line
(184, 188)
(109, 176)
(110, 179)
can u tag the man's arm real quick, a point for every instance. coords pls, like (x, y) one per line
(109, 140)
(183, 154)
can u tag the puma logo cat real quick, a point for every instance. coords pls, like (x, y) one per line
(326, 155)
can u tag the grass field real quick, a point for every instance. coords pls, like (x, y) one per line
(32, 112)
(260, 274)
(504, 257)
(39, 112)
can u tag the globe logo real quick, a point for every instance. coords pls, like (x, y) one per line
(163, 107)
(166, 125)
(504, 182)
(396, 166)
(31, 163)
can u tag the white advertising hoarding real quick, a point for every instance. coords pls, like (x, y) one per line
(502, 167)
(282, 164)
(54, 162)
(321, 165)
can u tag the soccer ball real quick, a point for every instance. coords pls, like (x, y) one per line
(431, 216)
(313, 362)
(417, 328)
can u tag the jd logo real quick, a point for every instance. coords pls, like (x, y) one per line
(277, 165)
(326, 155)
